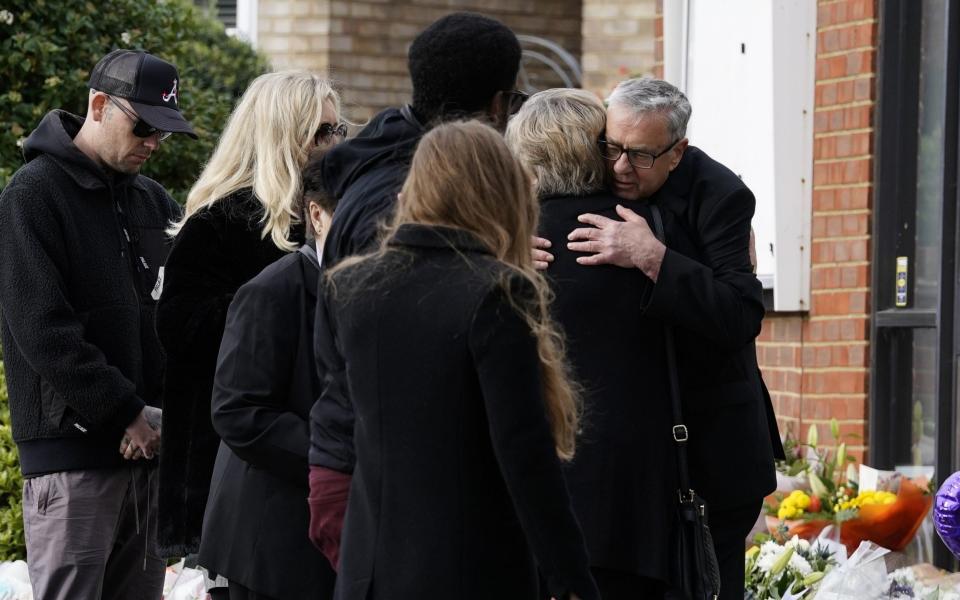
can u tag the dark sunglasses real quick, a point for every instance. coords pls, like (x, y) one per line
(327, 130)
(141, 128)
(515, 100)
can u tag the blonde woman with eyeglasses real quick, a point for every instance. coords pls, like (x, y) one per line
(243, 213)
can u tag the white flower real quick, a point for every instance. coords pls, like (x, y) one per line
(800, 565)
(20, 142)
(125, 38)
(769, 553)
(6, 17)
(799, 545)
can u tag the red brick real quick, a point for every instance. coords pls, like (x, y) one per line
(824, 16)
(781, 329)
(836, 330)
(838, 303)
(783, 380)
(834, 277)
(847, 38)
(835, 382)
(842, 118)
(864, 89)
(862, 9)
(849, 171)
(841, 199)
(824, 408)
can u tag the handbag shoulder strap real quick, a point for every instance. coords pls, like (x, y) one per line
(679, 429)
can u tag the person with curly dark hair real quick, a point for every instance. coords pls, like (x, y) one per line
(464, 65)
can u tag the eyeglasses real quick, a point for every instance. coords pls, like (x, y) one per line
(141, 128)
(515, 100)
(327, 131)
(636, 158)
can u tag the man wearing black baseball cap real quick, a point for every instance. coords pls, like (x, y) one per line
(82, 248)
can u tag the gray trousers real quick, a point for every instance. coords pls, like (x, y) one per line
(91, 535)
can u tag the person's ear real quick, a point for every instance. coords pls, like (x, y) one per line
(677, 153)
(316, 216)
(98, 107)
(498, 110)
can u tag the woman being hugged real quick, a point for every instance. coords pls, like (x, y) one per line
(623, 480)
(241, 215)
(441, 347)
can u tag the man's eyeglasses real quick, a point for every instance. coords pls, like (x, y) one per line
(636, 158)
(326, 132)
(141, 128)
(515, 100)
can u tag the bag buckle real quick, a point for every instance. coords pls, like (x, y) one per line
(680, 433)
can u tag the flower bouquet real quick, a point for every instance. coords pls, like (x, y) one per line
(887, 509)
(785, 571)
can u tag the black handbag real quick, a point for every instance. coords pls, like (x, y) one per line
(695, 572)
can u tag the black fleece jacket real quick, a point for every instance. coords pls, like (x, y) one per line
(77, 300)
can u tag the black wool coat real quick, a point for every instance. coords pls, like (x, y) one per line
(713, 299)
(255, 528)
(623, 478)
(457, 491)
(219, 249)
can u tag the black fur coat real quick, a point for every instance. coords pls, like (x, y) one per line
(219, 249)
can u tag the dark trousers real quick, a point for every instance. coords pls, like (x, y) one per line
(730, 528)
(238, 592)
(619, 585)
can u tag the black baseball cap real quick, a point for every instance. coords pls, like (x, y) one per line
(151, 85)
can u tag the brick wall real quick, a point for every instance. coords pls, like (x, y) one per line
(619, 41)
(363, 43)
(817, 364)
(295, 33)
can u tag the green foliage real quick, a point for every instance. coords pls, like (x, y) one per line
(11, 513)
(47, 48)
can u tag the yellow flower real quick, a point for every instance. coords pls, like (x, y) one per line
(753, 551)
(789, 512)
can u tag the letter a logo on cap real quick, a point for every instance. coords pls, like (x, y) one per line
(172, 94)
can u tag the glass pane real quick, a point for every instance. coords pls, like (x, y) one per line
(923, 422)
(930, 155)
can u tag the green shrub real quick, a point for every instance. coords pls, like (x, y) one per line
(47, 48)
(11, 514)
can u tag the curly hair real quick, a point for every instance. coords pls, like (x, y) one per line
(458, 63)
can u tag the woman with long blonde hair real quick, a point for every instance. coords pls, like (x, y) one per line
(441, 347)
(242, 214)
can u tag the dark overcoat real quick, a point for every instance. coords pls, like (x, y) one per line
(218, 249)
(715, 302)
(457, 491)
(623, 478)
(255, 528)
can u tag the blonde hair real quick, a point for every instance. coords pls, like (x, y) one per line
(555, 136)
(264, 146)
(464, 176)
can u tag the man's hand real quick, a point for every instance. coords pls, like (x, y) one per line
(627, 243)
(154, 417)
(541, 258)
(140, 439)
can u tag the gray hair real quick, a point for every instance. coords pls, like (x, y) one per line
(555, 137)
(646, 95)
